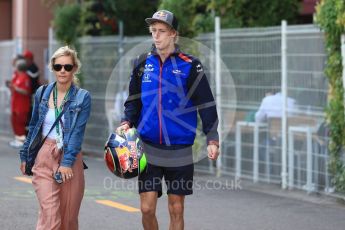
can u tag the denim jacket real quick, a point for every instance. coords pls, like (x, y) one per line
(75, 118)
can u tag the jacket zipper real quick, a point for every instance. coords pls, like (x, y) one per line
(160, 100)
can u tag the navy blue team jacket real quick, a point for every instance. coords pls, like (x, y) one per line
(164, 100)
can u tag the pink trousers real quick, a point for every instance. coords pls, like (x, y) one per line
(59, 204)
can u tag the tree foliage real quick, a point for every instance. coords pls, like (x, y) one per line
(331, 18)
(198, 15)
(100, 17)
(55, 3)
(133, 13)
(66, 22)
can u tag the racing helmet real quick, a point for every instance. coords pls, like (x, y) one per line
(124, 154)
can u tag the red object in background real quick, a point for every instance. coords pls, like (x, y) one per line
(18, 122)
(21, 103)
(28, 54)
(308, 7)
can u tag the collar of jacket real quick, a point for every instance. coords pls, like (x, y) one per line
(50, 87)
(176, 51)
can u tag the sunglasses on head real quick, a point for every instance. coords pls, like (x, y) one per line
(67, 67)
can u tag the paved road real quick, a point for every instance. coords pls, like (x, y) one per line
(111, 203)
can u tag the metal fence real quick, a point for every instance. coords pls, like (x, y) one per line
(255, 58)
(7, 51)
(251, 66)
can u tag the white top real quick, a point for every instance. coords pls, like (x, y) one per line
(48, 122)
(272, 106)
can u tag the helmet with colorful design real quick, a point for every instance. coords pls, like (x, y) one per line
(124, 154)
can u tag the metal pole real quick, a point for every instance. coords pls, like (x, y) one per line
(120, 51)
(284, 94)
(256, 154)
(291, 158)
(19, 26)
(50, 50)
(218, 90)
(342, 39)
(18, 45)
(121, 34)
(309, 162)
(238, 151)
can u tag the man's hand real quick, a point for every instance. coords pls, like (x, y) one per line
(213, 152)
(122, 128)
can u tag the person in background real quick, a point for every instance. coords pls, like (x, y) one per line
(272, 106)
(20, 101)
(33, 73)
(32, 70)
(17, 57)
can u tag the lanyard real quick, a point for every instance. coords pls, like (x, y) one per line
(57, 109)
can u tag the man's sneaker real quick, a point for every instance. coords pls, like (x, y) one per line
(16, 144)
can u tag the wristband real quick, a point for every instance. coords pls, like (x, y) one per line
(216, 143)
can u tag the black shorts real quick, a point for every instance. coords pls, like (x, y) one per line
(179, 180)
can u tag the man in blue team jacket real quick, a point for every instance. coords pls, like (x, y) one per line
(164, 98)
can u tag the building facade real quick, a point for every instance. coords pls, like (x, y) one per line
(27, 23)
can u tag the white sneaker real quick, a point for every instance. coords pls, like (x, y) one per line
(16, 144)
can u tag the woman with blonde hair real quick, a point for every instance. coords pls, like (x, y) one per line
(56, 131)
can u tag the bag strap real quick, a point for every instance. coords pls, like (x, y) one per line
(43, 89)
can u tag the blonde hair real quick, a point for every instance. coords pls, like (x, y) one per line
(67, 51)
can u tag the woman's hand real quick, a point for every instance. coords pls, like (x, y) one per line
(22, 167)
(66, 173)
